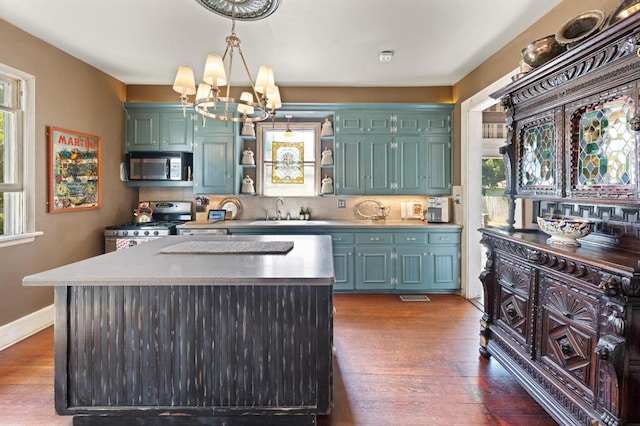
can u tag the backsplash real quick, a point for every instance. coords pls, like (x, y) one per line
(257, 207)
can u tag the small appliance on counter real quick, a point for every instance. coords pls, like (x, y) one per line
(160, 219)
(438, 210)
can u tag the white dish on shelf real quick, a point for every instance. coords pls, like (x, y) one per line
(233, 207)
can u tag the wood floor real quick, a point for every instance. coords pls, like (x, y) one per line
(397, 363)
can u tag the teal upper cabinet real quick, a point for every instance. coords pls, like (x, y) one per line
(364, 122)
(438, 164)
(158, 128)
(365, 165)
(213, 164)
(213, 157)
(411, 172)
(437, 122)
(408, 123)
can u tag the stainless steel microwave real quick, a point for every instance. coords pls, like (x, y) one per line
(160, 166)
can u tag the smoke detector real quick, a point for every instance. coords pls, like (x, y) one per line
(386, 56)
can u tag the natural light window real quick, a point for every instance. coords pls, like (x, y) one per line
(289, 161)
(17, 174)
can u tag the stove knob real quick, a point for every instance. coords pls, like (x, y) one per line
(146, 233)
(156, 233)
(135, 232)
(125, 233)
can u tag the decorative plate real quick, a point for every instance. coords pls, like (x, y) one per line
(367, 209)
(233, 207)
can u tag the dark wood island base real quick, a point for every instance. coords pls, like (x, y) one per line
(195, 338)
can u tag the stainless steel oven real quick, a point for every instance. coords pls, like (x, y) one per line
(166, 216)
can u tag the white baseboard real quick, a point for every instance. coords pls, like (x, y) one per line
(26, 326)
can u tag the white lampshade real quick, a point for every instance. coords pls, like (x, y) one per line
(265, 83)
(184, 82)
(245, 109)
(273, 99)
(203, 91)
(214, 73)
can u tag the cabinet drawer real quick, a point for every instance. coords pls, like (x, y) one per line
(342, 238)
(444, 238)
(410, 238)
(374, 238)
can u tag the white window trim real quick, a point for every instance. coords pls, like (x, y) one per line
(29, 170)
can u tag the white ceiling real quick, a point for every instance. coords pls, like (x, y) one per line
(308, 42)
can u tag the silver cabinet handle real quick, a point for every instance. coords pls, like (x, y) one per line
(374, 239)
(410, 238)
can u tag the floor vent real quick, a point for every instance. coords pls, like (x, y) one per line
(414, 298)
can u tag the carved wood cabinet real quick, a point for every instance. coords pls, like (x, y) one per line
(566, 321)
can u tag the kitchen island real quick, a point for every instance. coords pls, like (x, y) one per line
(181, 328)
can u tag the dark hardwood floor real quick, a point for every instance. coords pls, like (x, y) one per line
(396, 363)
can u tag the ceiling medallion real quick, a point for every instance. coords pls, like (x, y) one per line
(241, 10)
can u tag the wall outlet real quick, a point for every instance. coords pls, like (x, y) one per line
(342, 204)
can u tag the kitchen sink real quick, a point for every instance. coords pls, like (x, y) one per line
(288, 222)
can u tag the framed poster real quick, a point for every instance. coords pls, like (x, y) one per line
(74, 171)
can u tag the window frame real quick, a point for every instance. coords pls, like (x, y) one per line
(282, 126)
(23, 214)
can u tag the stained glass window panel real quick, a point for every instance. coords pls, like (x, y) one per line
(538, 156)
(606, 153)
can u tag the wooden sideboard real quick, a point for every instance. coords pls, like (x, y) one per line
(565, 321)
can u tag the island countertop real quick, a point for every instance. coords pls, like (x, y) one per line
(310, 261)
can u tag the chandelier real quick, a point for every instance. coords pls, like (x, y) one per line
(213, 96)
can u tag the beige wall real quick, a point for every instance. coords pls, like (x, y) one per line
(507, 59)
(440, 94)
(72, 95)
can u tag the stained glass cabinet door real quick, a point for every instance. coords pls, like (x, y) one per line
(603, 147)
(539, 152)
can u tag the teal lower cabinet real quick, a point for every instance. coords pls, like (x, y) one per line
(418, 260)
(374, 268)
(343, 260)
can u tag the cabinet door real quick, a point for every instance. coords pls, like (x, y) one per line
(408, 123)
(437, 122)
(539, 154)
(378, 162)
(176, 131)
(568, 335)
(373, 268)
(438, 165)
(443, 268)
(143, 131)
(411, 268)
(351, 172)
(379, 123)
(343, 264)
(512, 307)
(411, 170)
(350, 123)
(603, 147)
(213, 165)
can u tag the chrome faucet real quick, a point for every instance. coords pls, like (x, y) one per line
(278, 212)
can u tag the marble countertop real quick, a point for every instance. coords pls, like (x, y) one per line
(310, 262)
(359, 224)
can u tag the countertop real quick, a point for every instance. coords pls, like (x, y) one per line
(359, 224)
(310, 262)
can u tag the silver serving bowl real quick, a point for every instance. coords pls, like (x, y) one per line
(581, 27)
(565, 230)
(541, 51)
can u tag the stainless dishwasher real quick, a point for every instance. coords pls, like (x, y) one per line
(202, 231)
